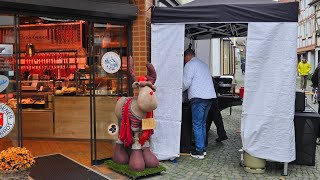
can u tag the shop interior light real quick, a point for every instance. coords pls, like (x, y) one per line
(30, 49)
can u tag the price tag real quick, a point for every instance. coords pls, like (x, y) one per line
(149, 123)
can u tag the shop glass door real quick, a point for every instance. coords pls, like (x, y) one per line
(55, 103)
(109, 81)
(10, 111)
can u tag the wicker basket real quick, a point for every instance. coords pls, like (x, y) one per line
(14, 174)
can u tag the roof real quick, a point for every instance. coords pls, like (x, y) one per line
(228, 11)
(77, 9)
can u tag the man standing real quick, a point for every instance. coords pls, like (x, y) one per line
(215, 116)
(303, 68)
(197, 80)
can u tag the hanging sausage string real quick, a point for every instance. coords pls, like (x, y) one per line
(55, 65)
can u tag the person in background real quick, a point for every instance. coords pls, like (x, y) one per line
(243, 66)
(304, 68)
(197, 80)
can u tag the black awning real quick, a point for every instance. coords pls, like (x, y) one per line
(75, 9)
(228, 11)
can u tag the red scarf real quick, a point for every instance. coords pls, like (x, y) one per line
(125, 130)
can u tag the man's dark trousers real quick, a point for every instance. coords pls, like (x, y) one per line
(215, 116)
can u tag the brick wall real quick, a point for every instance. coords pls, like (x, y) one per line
(141, 37)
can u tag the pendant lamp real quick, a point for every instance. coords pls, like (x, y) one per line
(30, 49)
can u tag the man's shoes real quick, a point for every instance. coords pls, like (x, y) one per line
(318, 141)
(204, 152)
(221, 139)
(197, 154)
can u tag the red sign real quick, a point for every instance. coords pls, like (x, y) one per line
(1, 119)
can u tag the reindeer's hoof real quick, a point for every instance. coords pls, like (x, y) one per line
(136, 162)
(120, 155)
(149, 158)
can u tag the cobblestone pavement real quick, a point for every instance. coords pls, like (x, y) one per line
(222, 161)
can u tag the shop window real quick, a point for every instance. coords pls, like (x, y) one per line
(111, 39)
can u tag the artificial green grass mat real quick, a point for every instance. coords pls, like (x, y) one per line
(124, 169)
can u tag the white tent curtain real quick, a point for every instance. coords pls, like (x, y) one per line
(167, 47)
(267, 126)
(268, 109)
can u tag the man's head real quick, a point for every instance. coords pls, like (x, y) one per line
(188, 55)
(304, 60)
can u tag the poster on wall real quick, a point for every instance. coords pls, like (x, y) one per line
(7, 120)
(111, 62)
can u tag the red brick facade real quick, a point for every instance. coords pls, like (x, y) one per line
(141, 37)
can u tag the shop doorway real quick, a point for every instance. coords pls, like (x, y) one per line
(108, 52)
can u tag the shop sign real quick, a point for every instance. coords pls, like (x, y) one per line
(113, 129)
(7, 120)
(111, 62)
(4, 82)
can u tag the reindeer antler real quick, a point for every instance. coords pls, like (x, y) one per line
(130, 69)
(151, 73)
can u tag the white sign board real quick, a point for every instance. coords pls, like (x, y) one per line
(111, 62)
(7, 120)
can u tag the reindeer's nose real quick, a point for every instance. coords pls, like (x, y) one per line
(151, 93)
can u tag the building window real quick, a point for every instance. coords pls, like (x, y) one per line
(309, 29)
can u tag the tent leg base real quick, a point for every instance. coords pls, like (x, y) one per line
(285, 169)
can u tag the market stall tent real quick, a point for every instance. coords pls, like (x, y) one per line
(267, 127)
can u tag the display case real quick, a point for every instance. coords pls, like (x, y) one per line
(65, 88)
(34, 94)
(82, 82)
(104, 84)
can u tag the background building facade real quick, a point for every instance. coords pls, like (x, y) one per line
(316, 5)
(307, 33)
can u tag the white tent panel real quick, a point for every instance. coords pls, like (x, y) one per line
(173, 99)
(165, 143)
(202, 50)
(167, 47)
(267, 126)
(215, 57)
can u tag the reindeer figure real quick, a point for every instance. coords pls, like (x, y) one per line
(130, 111)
